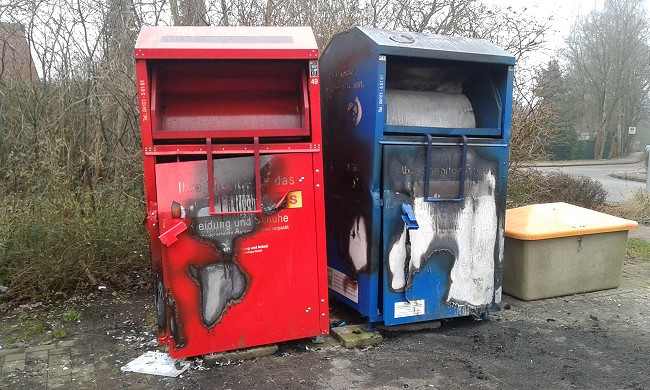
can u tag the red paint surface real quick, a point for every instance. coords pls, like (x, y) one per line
(226, 42)
(282, 299)
(229, 99)
(188, 92)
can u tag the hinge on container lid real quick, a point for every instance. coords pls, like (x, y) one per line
(377, 201)
(151, 218)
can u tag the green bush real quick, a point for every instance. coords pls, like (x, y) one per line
(71, 188)
(50, 247)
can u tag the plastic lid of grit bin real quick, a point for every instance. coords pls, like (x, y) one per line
(554, 220)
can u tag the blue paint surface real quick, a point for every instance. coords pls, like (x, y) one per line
(373, 167)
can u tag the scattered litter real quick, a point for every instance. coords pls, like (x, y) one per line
(30, 306)
(199, 364)
(156, 363)
(102, 288)
(233, 362)
(4, 289)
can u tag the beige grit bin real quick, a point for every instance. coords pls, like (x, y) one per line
(557, 249)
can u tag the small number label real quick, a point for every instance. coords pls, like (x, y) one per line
(314, 81)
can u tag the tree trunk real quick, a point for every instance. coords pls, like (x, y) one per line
(224, 10)
(176, 19)
(599, 147)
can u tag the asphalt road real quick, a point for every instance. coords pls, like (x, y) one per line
(618, 190)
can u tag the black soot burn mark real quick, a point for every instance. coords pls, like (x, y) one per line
(220, 285)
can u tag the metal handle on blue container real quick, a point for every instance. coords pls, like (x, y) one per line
(427, 178)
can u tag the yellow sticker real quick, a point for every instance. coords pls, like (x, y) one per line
(294, 200)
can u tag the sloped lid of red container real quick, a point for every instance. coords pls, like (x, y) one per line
(554, 220)
(207, 42)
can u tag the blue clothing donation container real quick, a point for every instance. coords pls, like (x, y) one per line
(416, 138)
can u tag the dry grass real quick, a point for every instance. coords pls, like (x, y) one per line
(637, 208)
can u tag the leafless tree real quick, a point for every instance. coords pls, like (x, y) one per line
(437, 17)
(84, 102)
(70, 138)
(607, 56)
(189, 12)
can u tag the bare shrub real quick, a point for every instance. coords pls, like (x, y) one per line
(529, 187)
(69, 133)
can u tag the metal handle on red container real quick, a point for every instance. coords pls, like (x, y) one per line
(258, 180)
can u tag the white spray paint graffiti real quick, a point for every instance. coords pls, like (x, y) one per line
(472, 276)
(358, 245)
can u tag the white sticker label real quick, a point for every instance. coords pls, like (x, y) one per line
(409, 309)
(342, 284)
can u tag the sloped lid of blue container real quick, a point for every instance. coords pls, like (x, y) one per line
(412, 44)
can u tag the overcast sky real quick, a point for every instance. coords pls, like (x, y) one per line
(564, 14)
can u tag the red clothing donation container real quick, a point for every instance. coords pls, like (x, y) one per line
(231, 137)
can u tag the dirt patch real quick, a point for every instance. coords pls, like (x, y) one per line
(593, 340)
(116, 315)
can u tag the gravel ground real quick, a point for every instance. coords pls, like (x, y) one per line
(588, 341)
